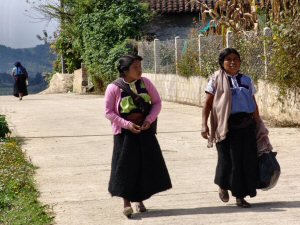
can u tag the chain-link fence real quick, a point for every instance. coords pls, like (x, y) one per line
(188, 57)
(251, 49)
(181, 45)
(165, 56)
(210, 47)
(146, 50)
(199, 56)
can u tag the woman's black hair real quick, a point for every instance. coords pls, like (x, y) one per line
(125, 62)
(225, 53)
(17, 64)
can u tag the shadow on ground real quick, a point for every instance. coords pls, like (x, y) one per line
(258, 208)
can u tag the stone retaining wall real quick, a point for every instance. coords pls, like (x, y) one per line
(60, 83)
(76, 82)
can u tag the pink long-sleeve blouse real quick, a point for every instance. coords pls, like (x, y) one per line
(112, 101)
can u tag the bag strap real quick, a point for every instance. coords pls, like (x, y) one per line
(121, 84)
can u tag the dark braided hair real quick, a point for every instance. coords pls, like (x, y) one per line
(125, 62)
(17, 64)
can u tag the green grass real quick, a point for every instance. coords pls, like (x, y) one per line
(18, 192)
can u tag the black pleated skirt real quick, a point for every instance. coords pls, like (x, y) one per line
(20, 86)
(237, 167)
(138, 169)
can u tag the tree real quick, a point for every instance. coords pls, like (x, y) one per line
(95, 32)
(105, 34)
(62, 11)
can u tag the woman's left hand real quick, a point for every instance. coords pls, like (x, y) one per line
(145, 126)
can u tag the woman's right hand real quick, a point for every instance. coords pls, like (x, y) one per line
(205, 132)
(134, 128)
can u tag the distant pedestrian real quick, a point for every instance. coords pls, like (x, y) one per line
(138, 169)
(234, 114)
(20, 75)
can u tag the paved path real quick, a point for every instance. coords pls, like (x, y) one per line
(67, 136)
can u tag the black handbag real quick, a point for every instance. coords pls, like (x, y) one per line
(269, 171)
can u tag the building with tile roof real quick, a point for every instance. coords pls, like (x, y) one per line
(174, 17)
(178, 6)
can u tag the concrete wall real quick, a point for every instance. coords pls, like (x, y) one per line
(176, 88)
(282, 109)
(191, 91)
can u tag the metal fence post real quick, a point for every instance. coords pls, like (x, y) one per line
(228, 38)
(267, 33)
(176, 53)
(140, 53)
(155, 55)
(199, 49)
(84, 76)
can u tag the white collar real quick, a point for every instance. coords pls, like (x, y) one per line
(130, 83)
(233, 76)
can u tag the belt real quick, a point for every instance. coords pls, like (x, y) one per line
(240, 120)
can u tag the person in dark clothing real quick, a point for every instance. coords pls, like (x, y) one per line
(138, 169)
(20, 75)
(233, 111)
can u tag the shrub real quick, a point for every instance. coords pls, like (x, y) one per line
(285, 55)
(4, 130)
(251, 50)
(188, 64)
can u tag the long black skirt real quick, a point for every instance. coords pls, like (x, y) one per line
(20, 86)
(138, 169)
(237, 162)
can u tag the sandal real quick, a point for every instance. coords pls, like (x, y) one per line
(223, 194)
(140, 207)
(242, 203)
(128, 211)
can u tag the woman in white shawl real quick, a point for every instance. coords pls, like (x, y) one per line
(233, 111)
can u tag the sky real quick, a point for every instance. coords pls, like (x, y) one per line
(17, 28)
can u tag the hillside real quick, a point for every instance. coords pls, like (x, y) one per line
(36, 60)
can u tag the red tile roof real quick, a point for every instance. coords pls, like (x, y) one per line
(178, 6)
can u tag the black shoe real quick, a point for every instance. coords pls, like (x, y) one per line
(223, 194)
(242, 203)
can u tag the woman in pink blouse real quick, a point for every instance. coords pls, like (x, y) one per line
(138, 169)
